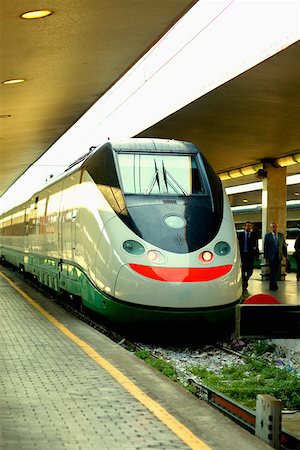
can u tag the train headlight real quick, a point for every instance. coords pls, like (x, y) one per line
(156, 257)
(205, 256)
(133, 247)
(222, 248)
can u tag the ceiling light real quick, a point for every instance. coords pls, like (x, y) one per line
(293, 179)
(293, 203)
(246, 208)
(13, 81)
(249, 170)
(257, 186)
(38, 14)
(224, 176)
(235, 173)
(279, 162)
(286, 161)
(244, 188)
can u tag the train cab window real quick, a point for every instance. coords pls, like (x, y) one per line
(160, 174)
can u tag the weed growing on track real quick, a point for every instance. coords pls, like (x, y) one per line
(244, 382)
(263, 347)
(239, 381)
(164, 367)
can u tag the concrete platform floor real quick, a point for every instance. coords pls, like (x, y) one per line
(288, 291)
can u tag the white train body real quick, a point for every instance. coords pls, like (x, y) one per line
(133, 230)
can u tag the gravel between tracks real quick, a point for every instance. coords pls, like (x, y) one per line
(225, 354)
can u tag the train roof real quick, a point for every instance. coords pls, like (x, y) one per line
(140, 145)
(153, 145)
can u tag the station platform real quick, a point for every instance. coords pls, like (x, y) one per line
(288, 292)
(66, 386)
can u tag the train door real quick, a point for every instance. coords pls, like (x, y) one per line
(26, 228)
(32, 225)
(68, 212)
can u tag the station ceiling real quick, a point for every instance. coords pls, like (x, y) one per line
(70, 59)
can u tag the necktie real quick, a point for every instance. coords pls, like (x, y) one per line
(246, 247)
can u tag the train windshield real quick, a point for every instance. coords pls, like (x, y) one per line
(160, 174)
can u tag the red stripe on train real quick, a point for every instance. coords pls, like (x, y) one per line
(181, 274)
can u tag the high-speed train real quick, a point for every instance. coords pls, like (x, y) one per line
(140, 231)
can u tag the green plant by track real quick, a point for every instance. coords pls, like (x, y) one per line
(164, 367)
(244, 382)
(241, 382)
(262, 347)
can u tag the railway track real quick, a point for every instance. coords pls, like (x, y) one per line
(243, 416)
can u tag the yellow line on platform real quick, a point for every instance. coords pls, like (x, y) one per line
(189, 438)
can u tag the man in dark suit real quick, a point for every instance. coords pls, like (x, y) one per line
(248, 242)
(274, 250)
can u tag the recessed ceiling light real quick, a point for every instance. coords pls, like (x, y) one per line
(38, 14)
(13, 81)
(245, 200)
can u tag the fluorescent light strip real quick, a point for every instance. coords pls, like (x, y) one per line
(246, 208)
(290, 180)
(258, 206)
(293, 179)
(244, 188)
(293, 203)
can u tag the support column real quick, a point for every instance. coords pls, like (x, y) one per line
(273, 204)
(274, 198)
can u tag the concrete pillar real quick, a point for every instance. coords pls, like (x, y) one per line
(273, 208)
(274, 198)
(268, 420)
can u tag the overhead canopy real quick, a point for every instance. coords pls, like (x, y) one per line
(71, 58)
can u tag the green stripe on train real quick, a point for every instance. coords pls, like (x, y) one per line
(66, 276)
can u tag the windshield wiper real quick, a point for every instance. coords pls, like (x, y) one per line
(154, 179)
(168, 179)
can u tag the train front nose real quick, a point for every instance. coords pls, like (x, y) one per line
(175, 287)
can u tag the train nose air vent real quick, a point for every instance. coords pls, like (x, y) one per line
(175, 222)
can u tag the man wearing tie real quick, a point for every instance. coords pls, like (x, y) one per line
(274, 249)
(248, 242)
